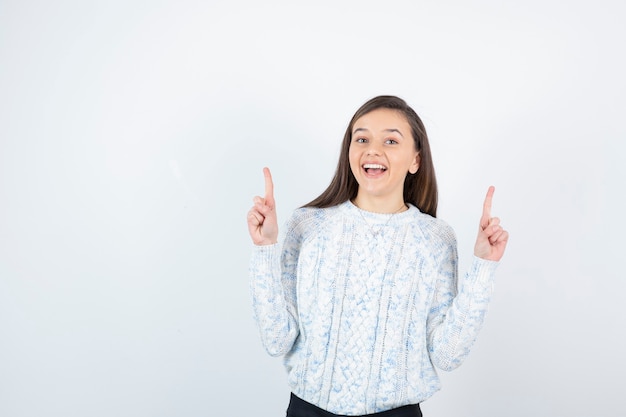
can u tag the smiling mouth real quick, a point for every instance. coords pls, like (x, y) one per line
(374, 168)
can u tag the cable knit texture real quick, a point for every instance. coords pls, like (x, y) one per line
(364, 306)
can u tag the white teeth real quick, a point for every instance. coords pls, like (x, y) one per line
(373, 166)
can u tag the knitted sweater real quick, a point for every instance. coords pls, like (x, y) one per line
(364, 306)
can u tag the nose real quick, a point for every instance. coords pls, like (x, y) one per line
(373, 150)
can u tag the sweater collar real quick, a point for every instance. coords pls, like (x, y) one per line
(350, 209)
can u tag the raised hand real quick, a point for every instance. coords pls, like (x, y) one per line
(262, 222)
(492, 238)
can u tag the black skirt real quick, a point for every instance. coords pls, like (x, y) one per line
(300, 408)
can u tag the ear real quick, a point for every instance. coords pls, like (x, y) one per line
(416, 164)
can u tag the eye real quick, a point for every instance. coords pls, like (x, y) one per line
(391, 141)
(361, 140)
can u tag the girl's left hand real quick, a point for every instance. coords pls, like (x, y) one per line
(492, 238)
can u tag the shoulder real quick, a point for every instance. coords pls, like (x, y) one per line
(434, 228)
(302, 216)
(303, 220)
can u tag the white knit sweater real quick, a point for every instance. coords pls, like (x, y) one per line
(364, 306)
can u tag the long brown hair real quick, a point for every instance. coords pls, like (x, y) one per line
(420, 189)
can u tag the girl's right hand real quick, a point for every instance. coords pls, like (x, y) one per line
(262, 222)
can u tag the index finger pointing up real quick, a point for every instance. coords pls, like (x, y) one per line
(269, 187)
(484, 220)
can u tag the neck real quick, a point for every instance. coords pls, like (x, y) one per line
(380, 205)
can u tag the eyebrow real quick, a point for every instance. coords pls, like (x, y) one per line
(362, 129)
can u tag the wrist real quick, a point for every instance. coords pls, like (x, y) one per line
(266, 242)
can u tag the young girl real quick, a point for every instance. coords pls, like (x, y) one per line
(361, 297)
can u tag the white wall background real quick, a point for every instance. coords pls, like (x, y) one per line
(132, 138)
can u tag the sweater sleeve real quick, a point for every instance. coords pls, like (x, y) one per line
(273, 289)
(456, 316)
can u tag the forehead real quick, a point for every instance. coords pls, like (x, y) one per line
(382, 119)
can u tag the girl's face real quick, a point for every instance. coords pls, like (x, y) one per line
(382, 152)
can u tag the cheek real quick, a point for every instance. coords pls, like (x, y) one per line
(353, 158)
